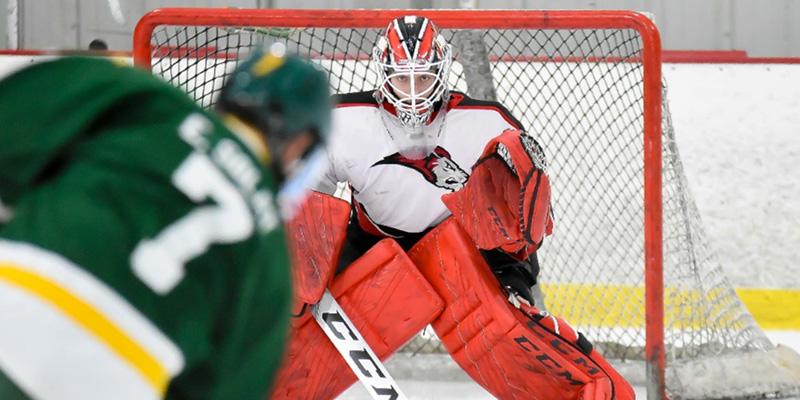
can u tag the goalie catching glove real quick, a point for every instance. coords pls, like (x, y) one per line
(506, 202)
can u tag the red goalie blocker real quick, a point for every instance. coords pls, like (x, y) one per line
(387, 299)
(511, 353)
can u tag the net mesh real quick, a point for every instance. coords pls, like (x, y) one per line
(580, 92)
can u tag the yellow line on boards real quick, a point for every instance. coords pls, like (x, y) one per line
(623, 306)
(773, 309)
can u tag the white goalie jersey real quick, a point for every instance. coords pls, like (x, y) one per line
(393, 195)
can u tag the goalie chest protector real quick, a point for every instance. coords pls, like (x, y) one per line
(398, 195)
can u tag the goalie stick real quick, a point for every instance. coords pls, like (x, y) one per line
(354, 349)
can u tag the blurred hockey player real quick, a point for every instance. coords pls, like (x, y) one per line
(402, 146)
(142, 254)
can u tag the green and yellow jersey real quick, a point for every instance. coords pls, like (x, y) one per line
(144, 257)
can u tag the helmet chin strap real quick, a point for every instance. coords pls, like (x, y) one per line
(250, 135)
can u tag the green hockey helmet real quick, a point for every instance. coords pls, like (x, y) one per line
(281, 95)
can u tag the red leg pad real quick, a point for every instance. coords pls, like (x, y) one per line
(513, 354)
(315, 237)
(387, 299)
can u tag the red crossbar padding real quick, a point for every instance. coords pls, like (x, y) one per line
(387, 299)
(511, 354)
(315, 237)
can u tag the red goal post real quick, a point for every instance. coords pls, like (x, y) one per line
(649, 57)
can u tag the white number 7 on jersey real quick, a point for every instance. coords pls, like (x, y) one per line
(160, 262)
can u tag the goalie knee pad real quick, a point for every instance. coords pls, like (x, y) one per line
(512, 352)
(388, 301)
(312, 367)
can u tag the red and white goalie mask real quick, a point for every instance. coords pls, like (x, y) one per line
(413, 62)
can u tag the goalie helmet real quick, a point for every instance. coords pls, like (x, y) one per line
(413, 62)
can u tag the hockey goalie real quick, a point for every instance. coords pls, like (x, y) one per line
(426, 242)
(501, 340)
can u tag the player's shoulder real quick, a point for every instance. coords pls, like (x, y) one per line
(460, 101)
(355, 99)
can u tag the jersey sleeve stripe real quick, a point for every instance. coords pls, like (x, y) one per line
(93, 307)
(503, 113)
(355, 99)
(459, 100)
(91, 320)
(344, 105)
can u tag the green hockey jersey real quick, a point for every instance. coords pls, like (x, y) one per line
(144, 257)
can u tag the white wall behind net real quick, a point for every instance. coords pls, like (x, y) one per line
(762, 28)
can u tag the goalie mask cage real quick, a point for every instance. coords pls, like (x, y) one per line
(588, 85)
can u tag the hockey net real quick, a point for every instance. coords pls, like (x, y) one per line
(588, 86)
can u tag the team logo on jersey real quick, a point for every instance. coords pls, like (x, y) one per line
(438, 168)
